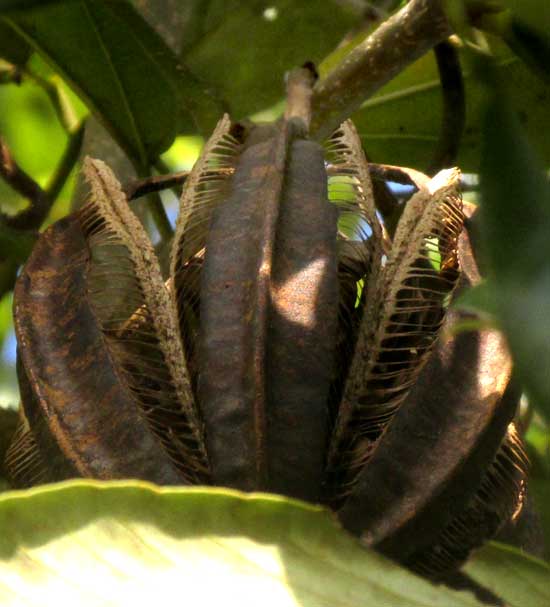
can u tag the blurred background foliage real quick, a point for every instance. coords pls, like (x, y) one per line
(142, 83)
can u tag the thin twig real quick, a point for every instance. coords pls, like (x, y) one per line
(454, 107)
(403, 38)
(67, 163)
(398, 174)
(41, 200)
(299, 90)
(65, 113)
(141, 187)
(386, 172)
(23, 184)
(159, 216)
(19, 233)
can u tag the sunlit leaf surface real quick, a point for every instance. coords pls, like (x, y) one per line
(134, 544)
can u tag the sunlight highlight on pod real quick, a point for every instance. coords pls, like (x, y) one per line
(293, 289)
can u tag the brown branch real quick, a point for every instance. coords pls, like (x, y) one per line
(398, 174)
(454, 107)
(19, 233)
(67, 163)
(22, 183)
(299, 90)
(41, 200)
(141, 187)
(403, 38)
(386, 172)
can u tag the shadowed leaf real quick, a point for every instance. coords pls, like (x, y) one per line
(250, 77)
(396, 128)
(516, 222)
(122, 69)
(518, 578)
(13, 48)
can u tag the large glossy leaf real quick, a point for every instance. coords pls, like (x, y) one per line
(264, 45)
(396, 126)
(119, 66)
(518, 578)
(134, 544)
(516, 213)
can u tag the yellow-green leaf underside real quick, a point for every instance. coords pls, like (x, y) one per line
(131, 543)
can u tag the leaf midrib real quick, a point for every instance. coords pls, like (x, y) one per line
(122, 91)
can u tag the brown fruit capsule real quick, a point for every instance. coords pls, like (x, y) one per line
(75, 383)
(268, 341)
(288, 350)
(427, 497)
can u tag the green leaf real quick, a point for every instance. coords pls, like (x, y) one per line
(130, 543)
(9, 5)
(539, 488)
(15, 244)
(120, 67)
(516, 222)
(519, 579)
(265, 41)
(533, 12)
(527, 41)
(12, 47)
(401, 124)
(531, 45)
(478, 299)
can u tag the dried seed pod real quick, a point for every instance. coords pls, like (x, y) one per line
(268, 309)
(360, 244)
(302, 327)
(403, 315)
(205, 188)
(428, 467)
(79, 361)
(23, 461)
(289, 349)
(428, 497)
(148, 349)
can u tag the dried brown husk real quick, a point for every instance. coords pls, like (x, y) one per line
(125, 281)
(205, 188)
(69, 380)
(285, 352)
(268, 317)
(360, 241)
(428, 495)
(302, 327)
(23, 462)
(402, 319)
(498, 499)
